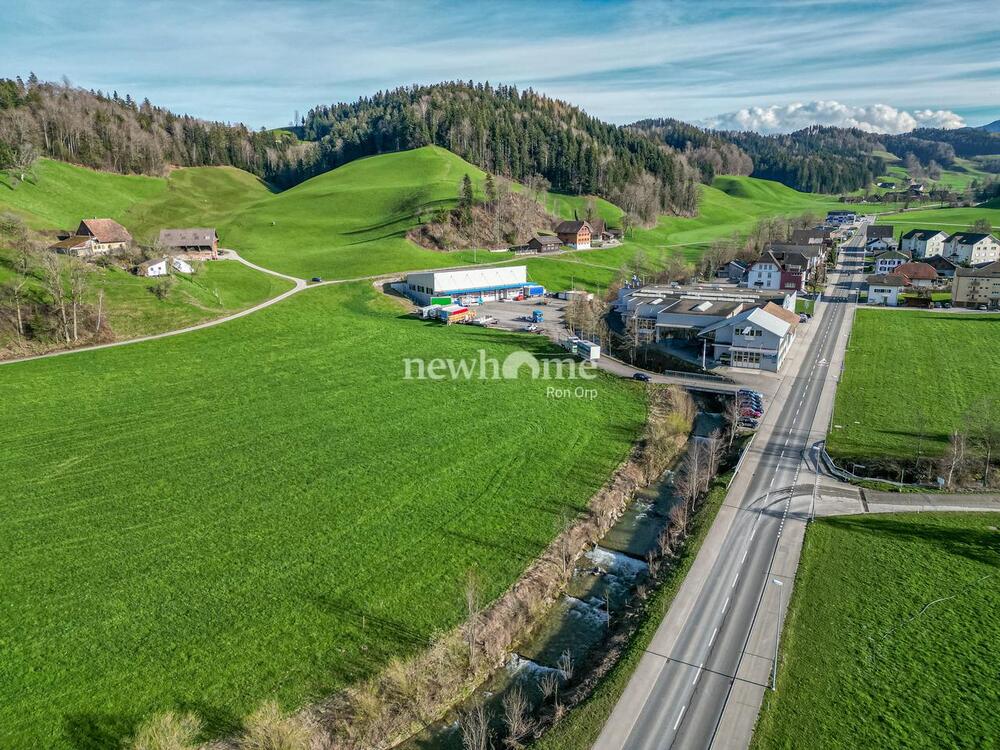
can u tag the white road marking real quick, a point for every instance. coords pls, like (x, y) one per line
(745, 553)
(697, 675)
(724, 606)
(712, 639)
(736, 579)
(679, 717)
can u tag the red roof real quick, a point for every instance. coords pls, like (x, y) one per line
(105, 230)
(917, 271)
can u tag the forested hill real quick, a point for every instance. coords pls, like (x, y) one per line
(816, 160)
(520, 134)
(105, 131)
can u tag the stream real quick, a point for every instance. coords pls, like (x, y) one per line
(605, 577)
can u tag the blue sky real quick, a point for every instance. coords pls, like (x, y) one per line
(258, 61)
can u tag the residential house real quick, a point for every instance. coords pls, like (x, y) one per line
(972, 247)
(181, 266)
(917, 273)
(973, 287)
(880, 245)
(543, 243)
(923, 243)
(884, 289)
(733, 271)
(576, 234)
(106, 235)
(767, 272)
(810, 236)
(74, 245)
(201, 243)
(757, 338)
(945, 267)
(878, 231)
(152, 267)
(886, 262)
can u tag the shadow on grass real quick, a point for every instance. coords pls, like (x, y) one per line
(978, 544)
(98, 731)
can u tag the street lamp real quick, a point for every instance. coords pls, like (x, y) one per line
(777, 634)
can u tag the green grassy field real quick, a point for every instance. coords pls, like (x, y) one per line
(267, 508)
(948, 220)
(904, 365)
(861, 665)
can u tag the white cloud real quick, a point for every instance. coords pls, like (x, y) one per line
(875, 118)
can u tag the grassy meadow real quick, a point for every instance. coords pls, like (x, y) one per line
(908, 366)
(861, 665)
(267, 508)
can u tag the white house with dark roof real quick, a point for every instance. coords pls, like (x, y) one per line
(888, 260)
(884, 289)
(972, 247)
(923, 243)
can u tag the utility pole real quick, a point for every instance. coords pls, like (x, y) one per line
(777, 634)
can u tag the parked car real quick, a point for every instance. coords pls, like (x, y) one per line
(316, 279)
(947, 305)
(641, 376)
(753, 424)
(755, 405)
(982, 307)
(752, 413)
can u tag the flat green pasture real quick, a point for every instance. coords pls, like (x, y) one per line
(908, 366)
(267, 508)
(890, 639)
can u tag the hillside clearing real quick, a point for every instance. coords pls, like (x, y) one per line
(267, 509)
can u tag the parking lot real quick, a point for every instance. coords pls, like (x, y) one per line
(511, 315)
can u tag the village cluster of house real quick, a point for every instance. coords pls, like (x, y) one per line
(923, 260)
(788, 266)
(176, 248)
(577, 235)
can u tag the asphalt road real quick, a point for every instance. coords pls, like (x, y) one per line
(686, 691)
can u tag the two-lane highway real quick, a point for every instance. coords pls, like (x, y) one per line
(676, 699)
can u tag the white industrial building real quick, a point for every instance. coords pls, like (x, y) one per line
(471, 286)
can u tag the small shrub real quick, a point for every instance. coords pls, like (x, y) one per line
(162, 287)
(169, 731)
(268, 728)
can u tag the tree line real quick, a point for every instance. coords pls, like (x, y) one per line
(516, 134)
(105, 131)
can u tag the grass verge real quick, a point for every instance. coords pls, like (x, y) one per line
(891, 636)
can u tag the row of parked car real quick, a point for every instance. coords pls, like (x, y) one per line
(751, 406)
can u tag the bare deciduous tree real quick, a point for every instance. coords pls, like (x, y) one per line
(53, 280)
(476, 732)
(473, 616)
(956, 454)
(516, 717)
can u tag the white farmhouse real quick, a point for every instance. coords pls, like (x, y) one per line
(181, 266)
